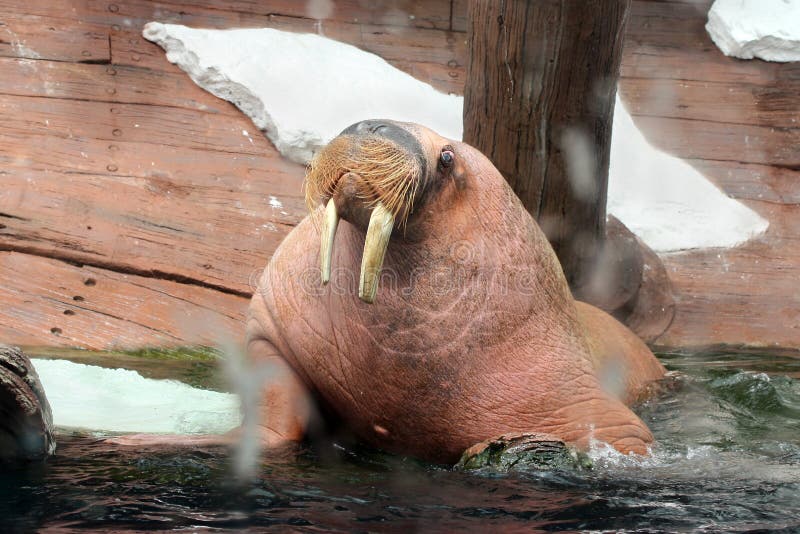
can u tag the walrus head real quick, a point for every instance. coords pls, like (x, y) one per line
(376, 175)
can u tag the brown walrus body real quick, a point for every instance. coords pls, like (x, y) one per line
(473, 332)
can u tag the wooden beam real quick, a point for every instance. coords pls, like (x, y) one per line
(46, 301)
(424, 14)
(744, 143)
(114, 84)
(46, 37)
(68, 119)
(170, 228)
(725, 102)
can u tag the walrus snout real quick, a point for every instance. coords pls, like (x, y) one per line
(370, 175)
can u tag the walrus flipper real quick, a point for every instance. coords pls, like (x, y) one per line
(284, 406)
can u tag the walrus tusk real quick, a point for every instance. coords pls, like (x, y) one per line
(329, 223)
(380, 229)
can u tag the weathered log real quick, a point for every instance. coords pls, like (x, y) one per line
(26, 422)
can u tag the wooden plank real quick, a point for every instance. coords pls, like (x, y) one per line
(742, 296)
(145, 160)
(147, 124)
(458, 16)
(666, 24)
(49, 302)
(44, 37)
(403, 13)
(131, 49)
(428, 14)
(448, 48)
(698, 139)
(742, 181)
(107, 83)
(647, 61)
(179, 229)
(735, 103)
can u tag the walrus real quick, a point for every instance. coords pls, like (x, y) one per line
(421, 306)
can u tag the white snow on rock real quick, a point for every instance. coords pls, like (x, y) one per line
(119, 400)
(304, 89)
(766, 29)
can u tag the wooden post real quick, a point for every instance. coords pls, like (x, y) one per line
(539, 102)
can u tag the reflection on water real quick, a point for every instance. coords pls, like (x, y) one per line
(728, 458)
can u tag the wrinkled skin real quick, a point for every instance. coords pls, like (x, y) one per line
(475, 336)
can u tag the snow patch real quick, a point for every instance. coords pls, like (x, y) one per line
(119, 400)
(291, 84)
(304, 89)
(766, 29)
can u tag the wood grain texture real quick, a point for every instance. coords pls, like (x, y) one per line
(126, 122)
(49, 302)
(46, 37)
(113, 84)
(540, 96)
(771, 106)
(149, 226)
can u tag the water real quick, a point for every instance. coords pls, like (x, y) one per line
(728, 459)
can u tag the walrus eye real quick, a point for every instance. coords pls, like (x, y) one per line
(447, 157)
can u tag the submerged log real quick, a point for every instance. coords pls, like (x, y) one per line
(527, 451)
(26, 422)
(539, 102)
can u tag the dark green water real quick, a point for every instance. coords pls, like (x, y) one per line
(728, 459)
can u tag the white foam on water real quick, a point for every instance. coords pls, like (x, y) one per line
(119, 400)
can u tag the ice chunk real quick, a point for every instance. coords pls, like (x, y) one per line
(766, 29)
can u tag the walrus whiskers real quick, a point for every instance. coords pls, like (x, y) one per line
(388, 173)
(387, 181)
